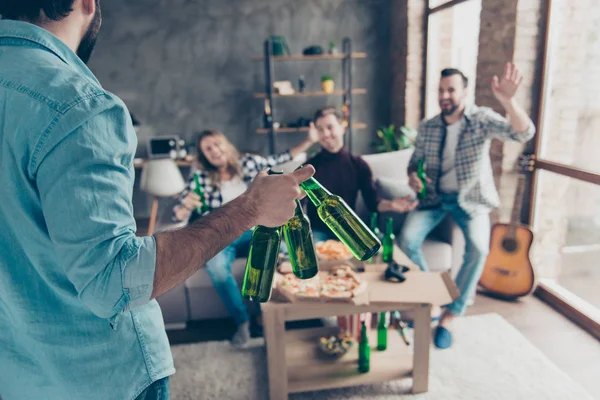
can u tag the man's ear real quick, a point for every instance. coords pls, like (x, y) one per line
(88, 6)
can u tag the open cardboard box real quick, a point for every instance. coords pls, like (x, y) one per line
(436, 288)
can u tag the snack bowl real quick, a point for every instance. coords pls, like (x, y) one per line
(335, 346)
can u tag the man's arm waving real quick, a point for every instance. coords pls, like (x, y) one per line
(521, 127)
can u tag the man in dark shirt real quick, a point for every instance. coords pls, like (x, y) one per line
(343, 173)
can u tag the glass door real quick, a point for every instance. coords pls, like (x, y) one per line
(565, 201)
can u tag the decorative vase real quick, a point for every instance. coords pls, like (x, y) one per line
(328, 85)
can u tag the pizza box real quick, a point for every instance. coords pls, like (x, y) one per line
(436, 288)
(360, 298)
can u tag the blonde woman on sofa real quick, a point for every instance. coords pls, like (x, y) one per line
(224, 174)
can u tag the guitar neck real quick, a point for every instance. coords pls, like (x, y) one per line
(515, 218)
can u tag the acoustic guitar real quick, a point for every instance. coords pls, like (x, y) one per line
(508, 271)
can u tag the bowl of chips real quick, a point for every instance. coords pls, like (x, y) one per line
(333, 250)
(335, 346)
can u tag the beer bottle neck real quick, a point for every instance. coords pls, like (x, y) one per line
(373, 220)
(315, 191)
(390, 226)
(298, 212)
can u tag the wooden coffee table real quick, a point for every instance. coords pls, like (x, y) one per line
(295, 364)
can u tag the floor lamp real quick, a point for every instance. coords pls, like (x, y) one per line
(160, 178)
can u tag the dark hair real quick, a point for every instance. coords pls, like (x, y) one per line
(453, 71)
(30, 10)
(323, 112)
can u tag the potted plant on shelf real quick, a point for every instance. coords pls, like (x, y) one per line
(327, 83)
(394, 140)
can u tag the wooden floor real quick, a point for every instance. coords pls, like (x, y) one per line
(572, 349)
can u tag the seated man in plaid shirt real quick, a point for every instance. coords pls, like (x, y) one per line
(455, 148)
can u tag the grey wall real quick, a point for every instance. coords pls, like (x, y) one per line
(185, 65)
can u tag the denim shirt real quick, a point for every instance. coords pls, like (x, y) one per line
(76, 319)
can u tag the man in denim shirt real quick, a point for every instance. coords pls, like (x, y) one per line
(78, 319)
(455, 148)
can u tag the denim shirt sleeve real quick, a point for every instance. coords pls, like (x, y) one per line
(84, 173)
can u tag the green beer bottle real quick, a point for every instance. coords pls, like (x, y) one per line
(301, 246)
(374, 224)
(261, 262)
(374, 229)
(364, 351)
(382, 331)
(198, 190)
(388, 241)
(423, 177)
(342, 221)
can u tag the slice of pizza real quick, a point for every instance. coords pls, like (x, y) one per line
(342, 283)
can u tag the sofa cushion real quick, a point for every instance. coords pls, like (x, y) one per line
(438, 255)
(389, 165)
(389, 189)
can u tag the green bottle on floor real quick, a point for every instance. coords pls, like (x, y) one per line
(342, 221)
(261, 262)
(300, 243)
(364, 351)
(388, 241)
(382, 331)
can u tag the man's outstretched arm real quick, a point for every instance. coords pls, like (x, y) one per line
(269, 201)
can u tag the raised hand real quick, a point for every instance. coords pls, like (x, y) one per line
(505, 88)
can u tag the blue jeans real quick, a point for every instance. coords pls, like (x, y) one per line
(158, 390)
(476, 229)
(219, 270)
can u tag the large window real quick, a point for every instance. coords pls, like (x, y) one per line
(452, 41)
(566, 199)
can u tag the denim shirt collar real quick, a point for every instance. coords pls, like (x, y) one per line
(22, 32)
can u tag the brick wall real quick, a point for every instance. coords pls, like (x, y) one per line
(407, 61)
(497, 32)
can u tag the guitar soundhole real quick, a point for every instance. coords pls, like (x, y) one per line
(510, 245)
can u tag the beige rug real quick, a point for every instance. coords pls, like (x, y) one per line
(489, 360)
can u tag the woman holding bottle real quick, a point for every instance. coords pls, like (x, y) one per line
(223, 174)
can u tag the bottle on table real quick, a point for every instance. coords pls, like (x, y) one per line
(388, 241)
(342, 221)
(364, 350)
(300, 243)
(382, 331)
(261, 262)
(198, 190)
(374, 229)
(422, 175)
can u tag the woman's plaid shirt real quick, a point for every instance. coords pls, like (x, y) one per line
(251, 165)
(477, 191)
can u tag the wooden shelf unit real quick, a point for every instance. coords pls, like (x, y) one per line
(262, 131)
(301, 57)
(346, 56)
(308, 369)
(307, 94)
